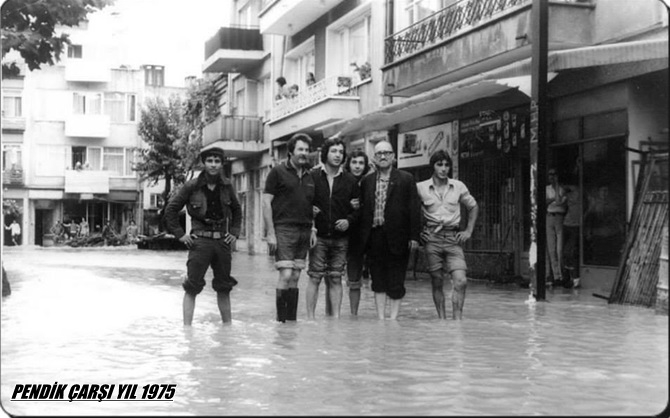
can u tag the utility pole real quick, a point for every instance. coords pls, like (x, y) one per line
(538, 144)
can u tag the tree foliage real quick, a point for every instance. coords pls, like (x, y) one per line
(163, 130)
(29, 27)
(200, 108)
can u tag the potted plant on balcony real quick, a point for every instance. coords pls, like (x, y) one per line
(364, 71)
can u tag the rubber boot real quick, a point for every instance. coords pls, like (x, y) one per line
(282, 304)
(292, 310)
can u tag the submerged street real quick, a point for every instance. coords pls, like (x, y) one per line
(113, 316)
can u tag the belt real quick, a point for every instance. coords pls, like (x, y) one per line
(555, 214)
(209, 234)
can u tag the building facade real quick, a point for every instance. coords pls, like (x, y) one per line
(456, 75)
(70, 137)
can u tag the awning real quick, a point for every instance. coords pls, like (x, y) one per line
(490, 83)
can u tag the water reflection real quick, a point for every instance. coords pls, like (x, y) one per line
(92, 322)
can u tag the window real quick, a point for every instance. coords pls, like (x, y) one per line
(154, 75)
(120, 107)
(348, 45)
(112, 160)
(300, 62)
(12, 106)
(155, 200)
(11, 156)
(246, 15)
(74, 51)
(87, 103)
(410, 12)
(94, 158)
(78, 156)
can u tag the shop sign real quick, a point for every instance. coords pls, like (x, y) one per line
(492, 133)
(416, 147)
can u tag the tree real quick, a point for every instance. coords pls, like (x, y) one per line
(163, 130)
(200, 108)
(29, 27)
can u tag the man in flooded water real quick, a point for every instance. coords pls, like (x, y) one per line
(288, 216)
(441, 197)
(334, 189)
(389, 228)
(216, 217)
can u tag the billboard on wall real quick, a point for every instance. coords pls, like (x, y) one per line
(416, 147)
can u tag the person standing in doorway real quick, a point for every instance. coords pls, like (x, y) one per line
(216, 218)
(15, 231)
(442, 197)
(556, 208)
(389, 231)
(83, 228)
(334, 189)
(288, 217)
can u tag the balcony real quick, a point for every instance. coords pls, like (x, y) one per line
(86, 181)
(288, 17)
(86, 71)
(87, 126)
(13, 124)
(239, 136)
(12, 177)
(233, 50)
(328, 100)
(473, 36)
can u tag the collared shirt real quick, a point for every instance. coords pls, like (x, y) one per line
(214, 208)
(381, 191)
(331, 179)
(444, 208)
(552, 195)
(293, 194)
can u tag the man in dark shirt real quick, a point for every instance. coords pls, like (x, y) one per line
(334, 189)
(216, 218)
(287, 212)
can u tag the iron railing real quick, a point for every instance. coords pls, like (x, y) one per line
(336, 86)
(442, 24)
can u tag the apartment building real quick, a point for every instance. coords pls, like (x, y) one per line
(69, 138)
(453, 75)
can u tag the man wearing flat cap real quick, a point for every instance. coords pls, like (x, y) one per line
(216, 217)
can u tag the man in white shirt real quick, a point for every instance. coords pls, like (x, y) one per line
(556, 207)
(441, 197)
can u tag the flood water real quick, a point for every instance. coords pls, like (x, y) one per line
(113, 316)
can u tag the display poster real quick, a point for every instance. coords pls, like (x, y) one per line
(493, 133)
(416, 147)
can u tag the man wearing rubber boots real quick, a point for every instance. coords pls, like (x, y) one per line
(216, 217)
(288, 216)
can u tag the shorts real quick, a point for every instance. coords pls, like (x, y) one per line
(203, 253)
(292, 246)
(441, 247)
(328, 257)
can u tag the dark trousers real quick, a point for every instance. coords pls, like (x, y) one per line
(207, 252)
(386, 270)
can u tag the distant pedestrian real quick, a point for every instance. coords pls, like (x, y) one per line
(442, 197)
(556, 208)
(108, 233)
(288, 216)
(571, 236)
(84, 228)
(334, 189)
(132, 232)
(15, 229)
(389, 231)
(216, 217)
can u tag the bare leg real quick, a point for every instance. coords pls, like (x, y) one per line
(354, 300)
(223, 300)
(438, 293)
(380, 304)
(395, 308)
(188, 308)
(312, 295)
(335, 294)
(459, 282)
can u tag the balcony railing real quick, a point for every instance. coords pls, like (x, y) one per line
(234, 128)
(443, 24)
(12, 177)
(336, 86)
